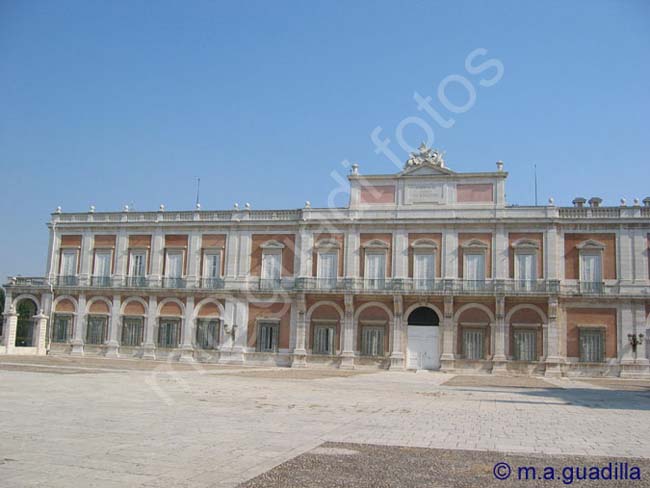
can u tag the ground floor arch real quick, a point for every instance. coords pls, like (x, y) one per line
(423, 338)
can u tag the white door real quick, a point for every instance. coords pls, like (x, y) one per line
(423, 350)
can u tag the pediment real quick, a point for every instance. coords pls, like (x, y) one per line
(426, 169)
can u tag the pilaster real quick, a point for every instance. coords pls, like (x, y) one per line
(149, 346)
(113, 344)
(448, 335)
(347, 355)
(397, 328)
(80, 326)
(500, 330)
(450, 254)
(300, 352)
(187, 348)
(554, 360)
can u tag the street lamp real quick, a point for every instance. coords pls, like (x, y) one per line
(635, 340)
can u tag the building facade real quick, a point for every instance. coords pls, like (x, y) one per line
(424, 269)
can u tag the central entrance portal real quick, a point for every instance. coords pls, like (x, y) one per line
(423, 350)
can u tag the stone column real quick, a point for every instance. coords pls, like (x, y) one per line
(300, 351)
(397, 352)
(113, 344)
(9, 332)
(347, 355)
(552, 343)
(448, 335)
(40, 330)
(187, 347)
(500, 330)
(79, 327)
(149, 346)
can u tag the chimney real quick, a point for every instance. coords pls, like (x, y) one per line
(579, 202)
(594, 202)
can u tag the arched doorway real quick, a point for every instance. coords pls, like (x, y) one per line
(26, 310)
(423, 351)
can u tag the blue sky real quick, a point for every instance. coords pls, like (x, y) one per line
(115, 102)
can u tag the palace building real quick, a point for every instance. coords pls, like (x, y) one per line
(424, 269)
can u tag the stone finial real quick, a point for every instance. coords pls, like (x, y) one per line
(198, 206)
(623, 202)
(58, 210)
(500, 166)
(247, 206)
(91, 209)
(579, 202)
(161, 208)
(307, 204)
(355, 169)
(551, 201)
(126, 208)
(646, 202)
(637, 202)
(236, 206)
(595, 202)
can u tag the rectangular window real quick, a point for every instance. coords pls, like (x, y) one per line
(525, 267)
(591, 274)
(271, 269)
(423, 270)
(207, 333)
(375, 270)
(102, 271)
(169, 332)
(327, 272)
(592, 345)
(138, 263)
(62, 329)
(324, 339)
(212, 265)
(69, 267)
(475, 267)
(268, 337)
(132, 331)
(473, 343)
(525, 345)
(372, 341)
(96, 329)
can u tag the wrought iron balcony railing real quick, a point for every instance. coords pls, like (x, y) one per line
(175, 283)
(67, 280)
(101, 281)
(213, 283)
(136, 282)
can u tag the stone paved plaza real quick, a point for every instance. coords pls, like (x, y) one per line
(108, 423)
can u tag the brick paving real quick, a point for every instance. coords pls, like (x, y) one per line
(147, 424)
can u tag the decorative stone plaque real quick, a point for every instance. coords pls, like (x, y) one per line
(423, 193)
